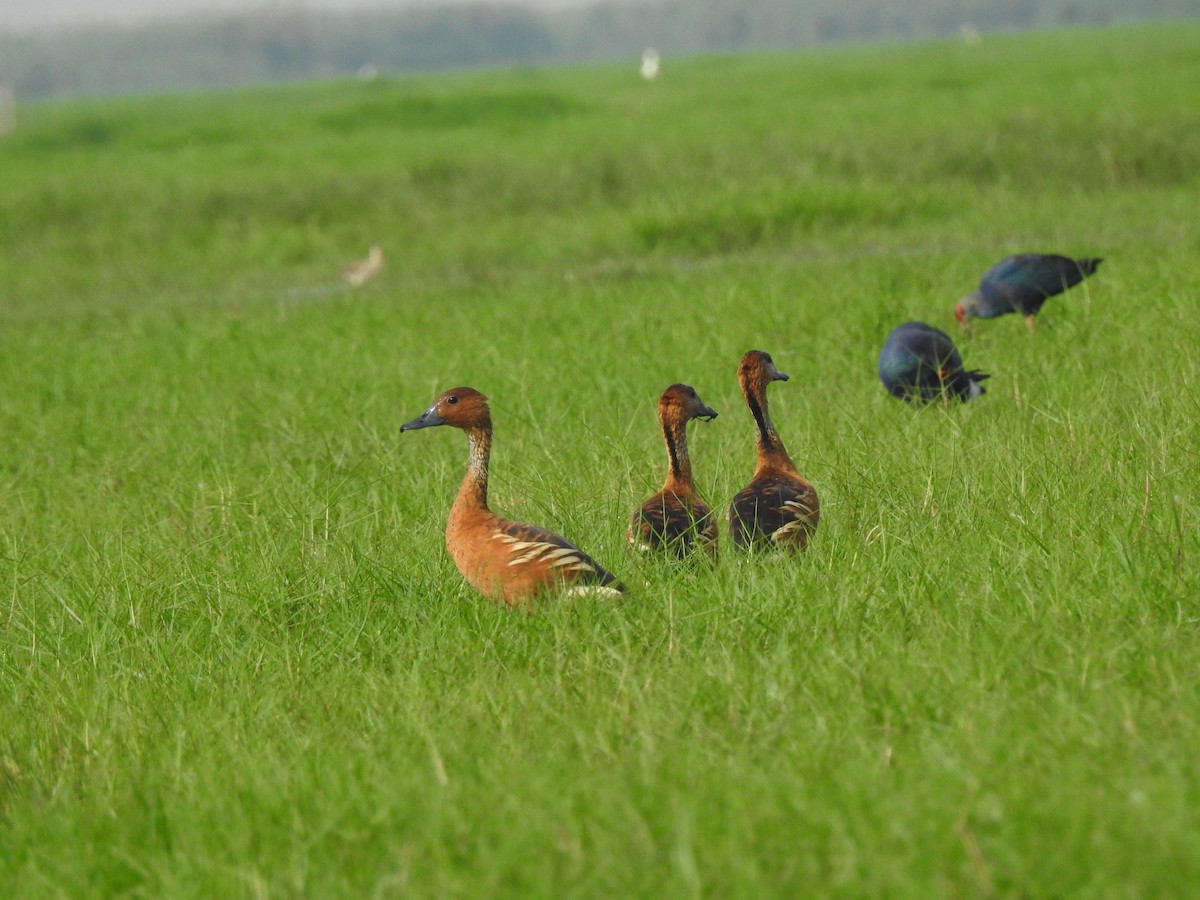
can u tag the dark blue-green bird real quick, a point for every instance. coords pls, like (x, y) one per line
(920, 363)
(1021, 284)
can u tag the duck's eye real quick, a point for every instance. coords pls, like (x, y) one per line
(452, 399)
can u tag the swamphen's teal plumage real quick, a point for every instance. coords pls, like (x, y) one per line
(1021, 284)
(919, 362)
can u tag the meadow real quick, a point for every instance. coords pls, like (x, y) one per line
(235, 659)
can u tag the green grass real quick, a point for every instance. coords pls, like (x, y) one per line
(235, 659)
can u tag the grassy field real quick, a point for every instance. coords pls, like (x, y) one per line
(235, 659)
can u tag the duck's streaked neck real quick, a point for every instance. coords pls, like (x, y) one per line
(679, 472)
(473, 492)
(770, 447)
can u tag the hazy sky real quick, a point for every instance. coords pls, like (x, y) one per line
(23, 14)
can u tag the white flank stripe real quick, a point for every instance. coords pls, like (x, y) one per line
(788, 531)
(599, 590)
(538, 550)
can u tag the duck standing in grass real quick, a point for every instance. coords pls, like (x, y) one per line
(502, 559)
(1021, 284)
(676, 519)
(778, 507)
(919, 362)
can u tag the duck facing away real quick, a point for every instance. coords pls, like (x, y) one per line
(676, 519)
(778, 507)
(920, 363)
(1021, 284)
(502, 559)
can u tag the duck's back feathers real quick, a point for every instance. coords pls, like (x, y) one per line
(525, 559)
(677, 524)
(778, 509)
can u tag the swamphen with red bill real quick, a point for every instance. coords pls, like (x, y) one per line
(920, 363)
(1021, 284)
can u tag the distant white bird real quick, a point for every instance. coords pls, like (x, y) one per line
(970, 33)
(649, 63)
(359, 271)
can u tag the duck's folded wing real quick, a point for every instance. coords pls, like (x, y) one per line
(530, 547)
(784, 512)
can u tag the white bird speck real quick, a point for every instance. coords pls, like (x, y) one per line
(649, 63)
(358, 272)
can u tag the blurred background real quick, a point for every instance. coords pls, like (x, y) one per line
(66, 48)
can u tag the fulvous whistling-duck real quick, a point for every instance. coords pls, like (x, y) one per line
(675, 518)
(503, 559)
(778, 506)
(359, 271)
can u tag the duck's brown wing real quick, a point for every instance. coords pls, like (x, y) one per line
(672, 523)
(539, 555)
(779, 511)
